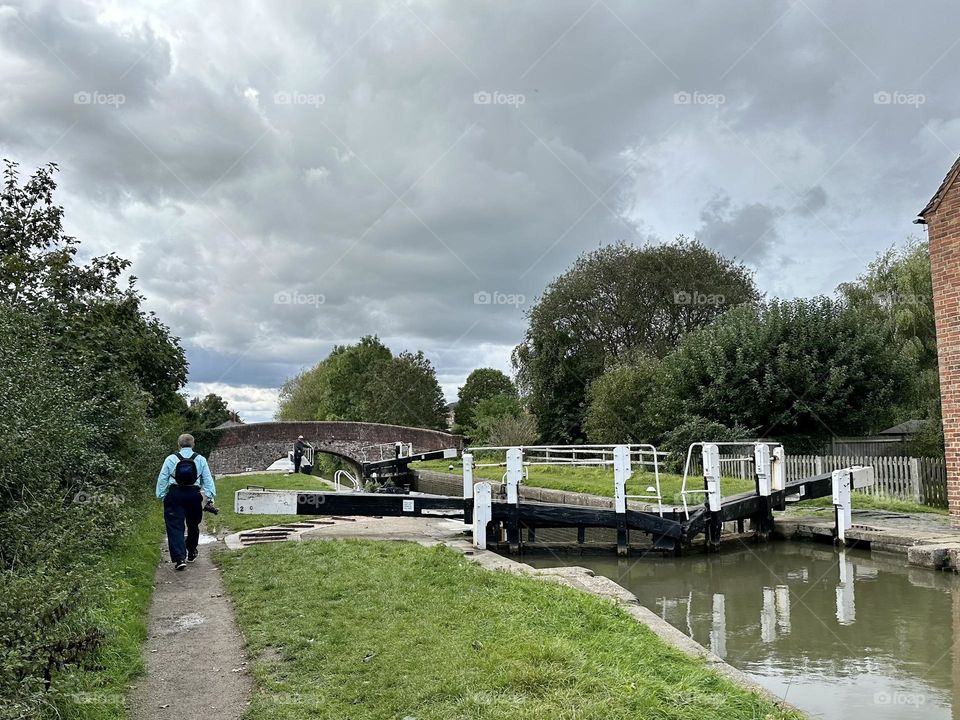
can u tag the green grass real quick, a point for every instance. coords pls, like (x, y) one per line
(381, 630)
(862, 501)
(593, 480)
(127, 571)
(229, 521)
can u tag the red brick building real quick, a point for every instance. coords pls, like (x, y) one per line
(942, 218)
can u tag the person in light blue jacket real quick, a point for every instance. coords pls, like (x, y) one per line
(182, 479)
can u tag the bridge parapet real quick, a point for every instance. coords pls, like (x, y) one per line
(257, 445)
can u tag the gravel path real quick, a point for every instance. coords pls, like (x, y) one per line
(196, 668)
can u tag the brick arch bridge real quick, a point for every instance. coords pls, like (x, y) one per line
(258, 445)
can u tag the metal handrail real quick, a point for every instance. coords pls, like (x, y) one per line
(338, 477)
(686, 467)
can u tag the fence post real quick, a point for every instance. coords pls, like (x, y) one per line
(818, 465)
(915, 479)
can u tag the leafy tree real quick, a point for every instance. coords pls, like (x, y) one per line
(619, 402)
(404, 391)
(799, 371)
(208, 412)
(613, 303)
(365, 383)
(508, 430)
(897, 292)
(481, 384)
(86, 303)
(489, 414)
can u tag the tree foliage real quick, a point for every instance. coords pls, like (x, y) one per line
(896, 292)
(88, 380)
(799, 371)
(208, 412)
(481, 384)
(614, 303)
(366, 383)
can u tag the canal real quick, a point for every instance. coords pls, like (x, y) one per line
(844, 635)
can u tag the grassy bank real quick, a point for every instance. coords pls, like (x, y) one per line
(592, 480)
(127, 573)
(369, 630)
(229, 521)
(598, 481)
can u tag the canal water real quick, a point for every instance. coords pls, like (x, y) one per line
(844, 635)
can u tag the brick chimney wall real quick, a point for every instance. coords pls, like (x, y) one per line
(943, 230)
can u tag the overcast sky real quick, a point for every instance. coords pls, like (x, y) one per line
(288, 176)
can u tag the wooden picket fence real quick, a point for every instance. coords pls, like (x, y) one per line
(922, 480)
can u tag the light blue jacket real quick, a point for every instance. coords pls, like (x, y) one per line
(204, 478)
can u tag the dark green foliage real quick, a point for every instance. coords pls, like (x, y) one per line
(366, 383)
(897, 293)
(89, 384)
(480, 384)
(799, 371)
(208, 412)
(611, 305)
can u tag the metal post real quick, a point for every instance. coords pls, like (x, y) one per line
(468, 488)
(621, 471)
(514, 478)
(778, 475)
(482, 514)
(711, 478)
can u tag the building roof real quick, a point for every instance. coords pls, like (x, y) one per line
(910, 427)
(227, 424)
(941, 193)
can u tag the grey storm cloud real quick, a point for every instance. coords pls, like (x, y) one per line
(333, 170)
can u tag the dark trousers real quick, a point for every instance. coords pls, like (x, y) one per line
(296, 462)
(182, 504)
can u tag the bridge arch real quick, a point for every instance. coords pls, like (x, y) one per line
(257, 445)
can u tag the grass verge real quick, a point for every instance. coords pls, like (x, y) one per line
(592, 480)
(862, 501)
(229, 521)
(127, 572)
(377, 630)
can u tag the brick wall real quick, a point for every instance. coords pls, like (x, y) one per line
(943, 230)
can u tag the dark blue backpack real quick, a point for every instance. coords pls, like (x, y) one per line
(185, 473)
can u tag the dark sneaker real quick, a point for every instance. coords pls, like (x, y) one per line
(191, 556)
(181, 565)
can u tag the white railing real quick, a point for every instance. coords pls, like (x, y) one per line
(406, 450)
(647, 457)
(741, 462)
(345, 475)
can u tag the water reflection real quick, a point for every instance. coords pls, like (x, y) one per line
(843, 634)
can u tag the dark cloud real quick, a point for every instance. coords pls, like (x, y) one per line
(397, 159)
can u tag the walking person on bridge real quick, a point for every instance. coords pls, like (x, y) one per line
(182, 478)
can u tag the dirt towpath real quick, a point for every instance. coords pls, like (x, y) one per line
(195, 663)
